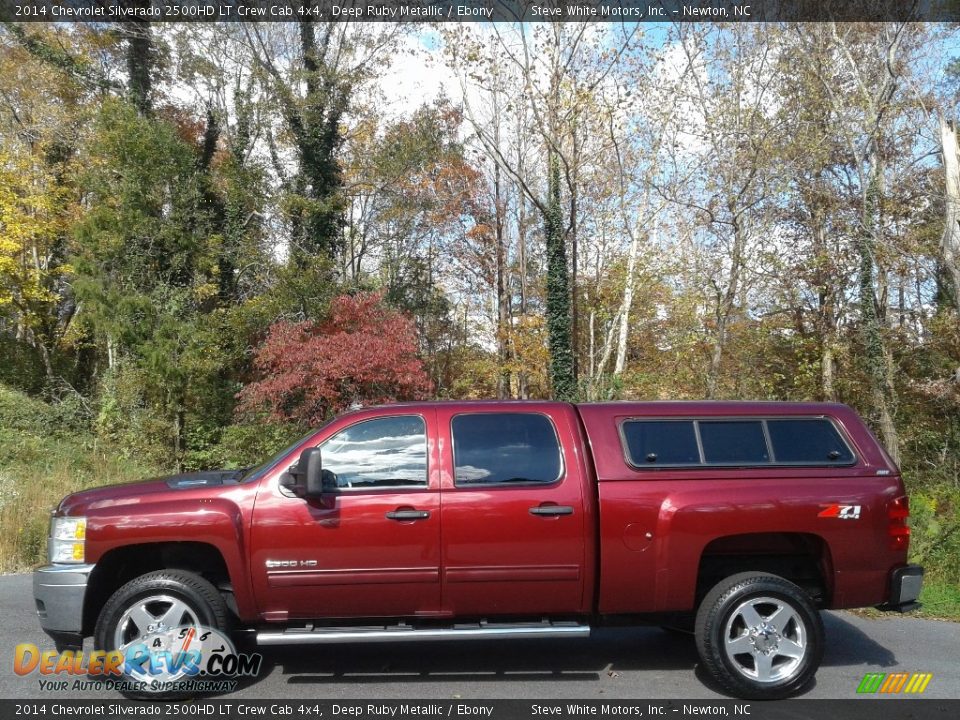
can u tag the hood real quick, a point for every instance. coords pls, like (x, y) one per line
(134, 493)
(204, 478)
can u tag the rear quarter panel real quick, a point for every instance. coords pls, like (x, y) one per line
(655, 524)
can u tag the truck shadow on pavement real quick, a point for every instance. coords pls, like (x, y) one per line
(849, 645)
(606, 655)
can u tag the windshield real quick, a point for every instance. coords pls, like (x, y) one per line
(260, 470)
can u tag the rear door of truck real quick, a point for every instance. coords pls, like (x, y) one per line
(514, 516)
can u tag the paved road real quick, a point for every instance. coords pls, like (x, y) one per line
(632, 663)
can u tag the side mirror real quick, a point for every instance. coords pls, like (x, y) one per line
(305, 479)
(310, 460)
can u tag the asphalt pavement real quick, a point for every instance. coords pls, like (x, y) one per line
(644, 662)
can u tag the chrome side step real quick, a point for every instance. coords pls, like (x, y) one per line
(406, 633)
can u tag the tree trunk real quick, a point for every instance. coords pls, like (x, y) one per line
(503, 297)
(558, 292)
(592, 345)
(37, 342)
(826, 371)
(950, 243)
(879, 363)
(725, 307)
(607, 346)
(574, 306)
(522, 385)
(826, 307)
(624, 330)
(140, 60)
(178, 432)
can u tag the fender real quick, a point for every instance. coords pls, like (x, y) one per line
(217, 521)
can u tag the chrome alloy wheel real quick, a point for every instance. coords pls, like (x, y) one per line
(152, 615)
(765, 640)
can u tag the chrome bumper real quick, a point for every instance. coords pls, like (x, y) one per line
(58, 591)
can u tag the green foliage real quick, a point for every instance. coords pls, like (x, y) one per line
(21, 366)
(940, 599)
(315, 121)
(46, 453)
(126, 420)
(25, 414)
(150, 257)
(249, 443)
(935, 520)
(147, 229)
(558, 294)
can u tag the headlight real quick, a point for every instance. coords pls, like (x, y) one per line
(67, 539)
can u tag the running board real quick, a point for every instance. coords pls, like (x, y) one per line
(406, 633)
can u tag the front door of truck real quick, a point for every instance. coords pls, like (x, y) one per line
(368, 549)
(514, 519)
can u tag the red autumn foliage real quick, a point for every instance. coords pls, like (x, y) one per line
(364, 351)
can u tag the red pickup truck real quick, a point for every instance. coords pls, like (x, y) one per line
(474, 520)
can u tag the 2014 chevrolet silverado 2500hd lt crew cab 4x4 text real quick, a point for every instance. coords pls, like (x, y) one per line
(462, 520)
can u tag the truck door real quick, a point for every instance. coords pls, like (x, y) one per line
(513, 513)
(369, 549)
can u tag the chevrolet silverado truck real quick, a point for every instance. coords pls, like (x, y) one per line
(477, 520)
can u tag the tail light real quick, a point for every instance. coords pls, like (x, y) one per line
(898, 512)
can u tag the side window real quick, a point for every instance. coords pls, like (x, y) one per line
(733, 442)
(505, 448)
(661, 442)
(812, 441)
(378, 453)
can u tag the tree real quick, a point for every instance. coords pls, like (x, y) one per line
(869, 61)
(363, 351)
(43, 116)
(312, 87)
(147, 262)
(32, 221)
(539, 82)
(729, 179)
(950, 242)
(816, 212)
(558, 295)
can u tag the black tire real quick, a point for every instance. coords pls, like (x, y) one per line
(166, 590)
(746, 612)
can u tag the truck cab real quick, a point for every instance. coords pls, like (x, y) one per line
(514, 503)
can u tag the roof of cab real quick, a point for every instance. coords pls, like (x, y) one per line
(665, 407)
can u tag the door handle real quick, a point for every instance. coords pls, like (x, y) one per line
(408, 515)
(551, 510)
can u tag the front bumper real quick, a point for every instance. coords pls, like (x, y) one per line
(58, 591)
(905, 585)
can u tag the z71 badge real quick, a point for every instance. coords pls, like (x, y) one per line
(843, 512)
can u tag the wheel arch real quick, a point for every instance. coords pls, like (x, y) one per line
(122, 564)
(802, 558)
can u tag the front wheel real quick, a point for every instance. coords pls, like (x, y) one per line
(161, 613)
(760, 636)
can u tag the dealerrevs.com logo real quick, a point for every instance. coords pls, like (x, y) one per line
(894, 683)
(183, 659)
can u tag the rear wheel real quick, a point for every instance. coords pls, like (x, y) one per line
(760, 636)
